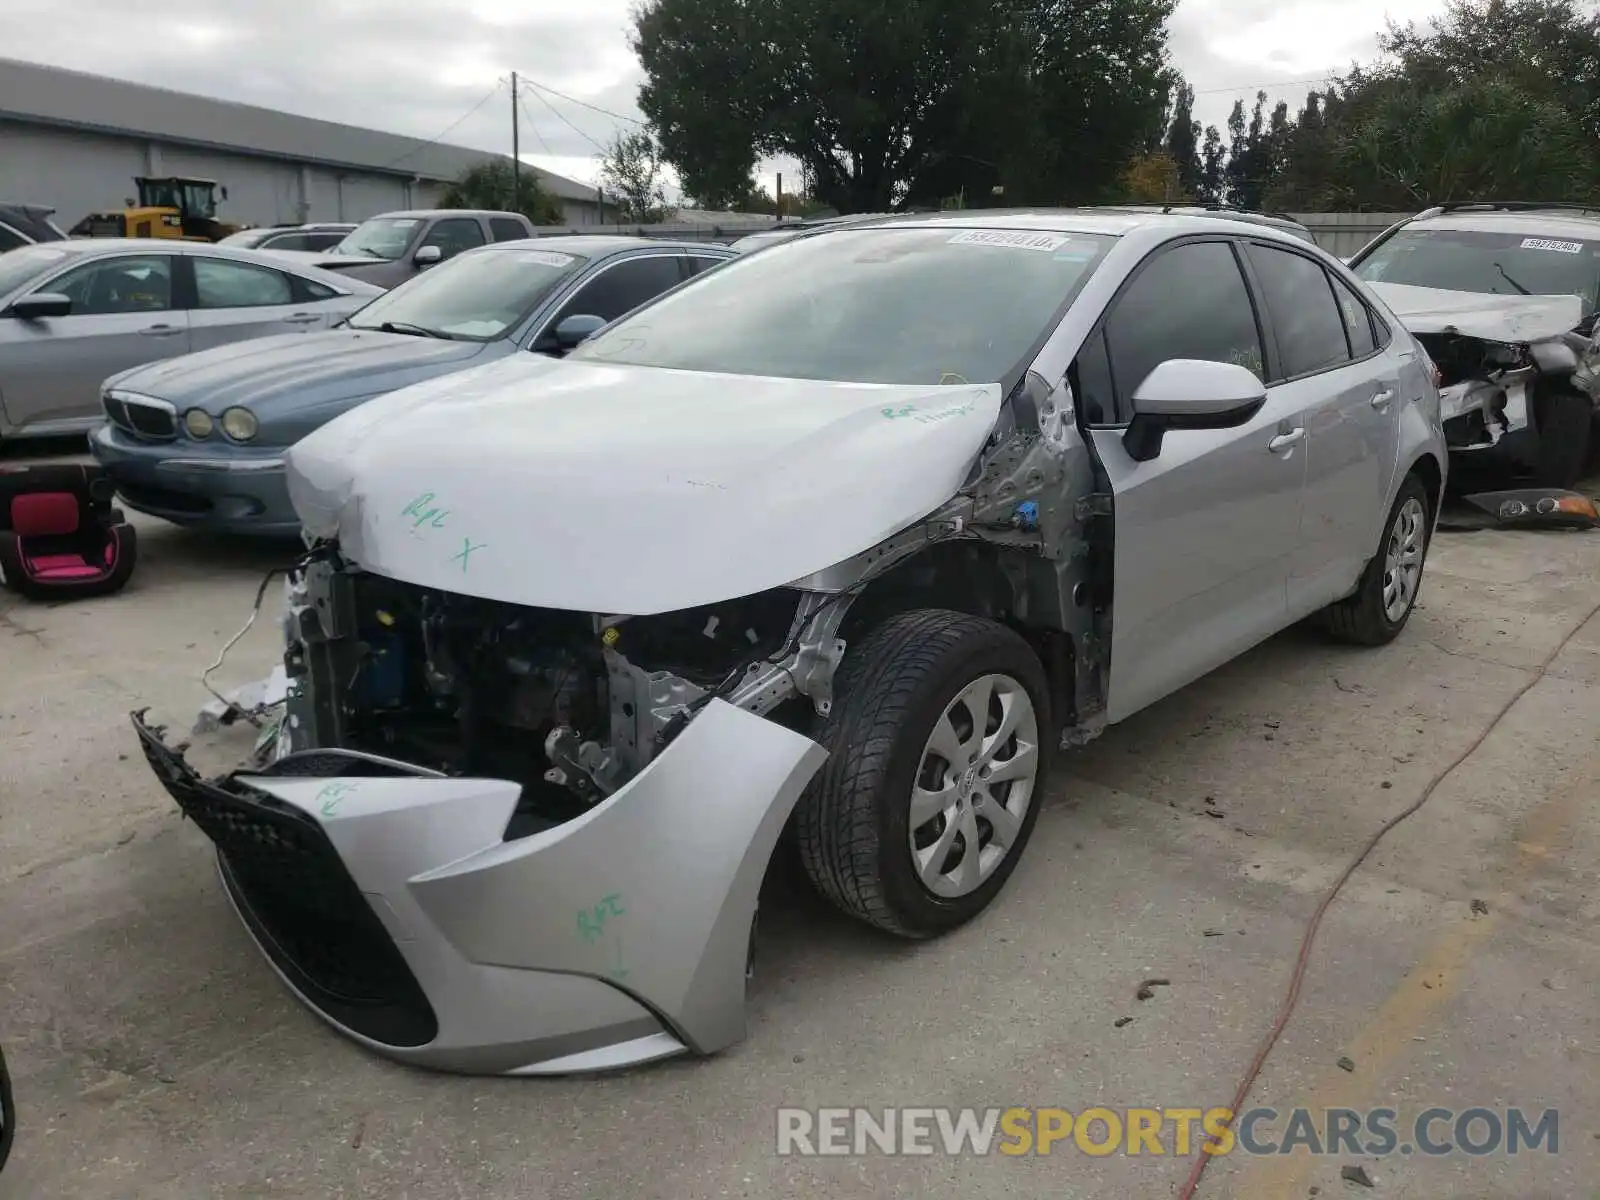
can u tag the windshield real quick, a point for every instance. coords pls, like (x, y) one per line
(1502, 264)
(899, 305)
(25, 263)
(476, 297)
(381, 237)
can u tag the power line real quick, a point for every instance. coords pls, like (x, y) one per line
(606, 112)
(533, 126)
(562, 118)
(488, 96)
(1259, 87)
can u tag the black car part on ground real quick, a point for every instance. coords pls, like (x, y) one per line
(1523, 508)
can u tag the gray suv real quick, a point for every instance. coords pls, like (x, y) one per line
(392, 247)
(1503, 295)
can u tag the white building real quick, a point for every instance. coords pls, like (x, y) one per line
(77, 141)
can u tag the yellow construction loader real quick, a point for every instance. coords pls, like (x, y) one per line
(172, 207)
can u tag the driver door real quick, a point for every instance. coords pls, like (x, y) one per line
(1205, 531)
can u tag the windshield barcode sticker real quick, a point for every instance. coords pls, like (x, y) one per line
(1016, 241)
(1550, 244)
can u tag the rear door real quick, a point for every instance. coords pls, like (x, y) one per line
(233, 300)
(124, 313)
(1204, 531)
(1326, 363)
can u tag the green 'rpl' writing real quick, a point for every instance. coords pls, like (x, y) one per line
(331, 796)
(423, 512)
(592, 921)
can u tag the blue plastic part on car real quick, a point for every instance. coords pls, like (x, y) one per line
(1027, 517)
(383, 676)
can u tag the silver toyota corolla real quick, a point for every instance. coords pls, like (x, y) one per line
(74, 312)
(844, 538)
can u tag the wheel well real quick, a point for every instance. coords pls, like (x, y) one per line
(1428, 470)
(967, 577)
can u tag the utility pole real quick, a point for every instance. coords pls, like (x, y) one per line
(516, 157)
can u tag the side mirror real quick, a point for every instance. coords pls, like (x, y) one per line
(1190, 393)
(426, 256)
(576, 329)
(40, 305)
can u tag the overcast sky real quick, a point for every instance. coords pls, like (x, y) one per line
(419, 68)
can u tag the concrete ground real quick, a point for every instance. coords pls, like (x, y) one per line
(156, 1057)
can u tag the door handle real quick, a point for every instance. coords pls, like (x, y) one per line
(1287, 441)
(1382, 400)
(301, 319)
(161, 331)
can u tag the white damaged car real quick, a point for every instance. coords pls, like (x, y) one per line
(836, 542)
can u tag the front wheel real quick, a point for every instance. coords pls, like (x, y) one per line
(939, 739)
(1382, 604)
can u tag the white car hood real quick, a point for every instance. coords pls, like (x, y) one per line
(1475, 314)
(630, 490)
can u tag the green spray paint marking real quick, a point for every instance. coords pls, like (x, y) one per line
(592, 921)
(424, 513)
(923, 417)
(617, 971)
(331, 796)
(467, 547)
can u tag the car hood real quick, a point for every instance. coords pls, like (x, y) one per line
(1480, 315)
(630, 490)
(310, 367)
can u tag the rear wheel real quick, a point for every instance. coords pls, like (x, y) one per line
(939, 739)
(1380, 607)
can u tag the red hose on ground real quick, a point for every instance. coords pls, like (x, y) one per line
(1292, 997)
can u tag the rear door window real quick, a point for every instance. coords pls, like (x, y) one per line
(506, 230)
(1305, 316)
(221, 284)
(1358, 319)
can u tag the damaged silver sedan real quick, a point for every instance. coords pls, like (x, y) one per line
(837, 543)
(1503, 297)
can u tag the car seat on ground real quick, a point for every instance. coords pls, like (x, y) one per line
(60, 537)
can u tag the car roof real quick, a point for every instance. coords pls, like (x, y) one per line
(420, 213)
(595, 245)
(1525, 219)
(1112, 222)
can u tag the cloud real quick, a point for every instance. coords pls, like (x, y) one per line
(418, 69)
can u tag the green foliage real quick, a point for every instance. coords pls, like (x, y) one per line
(489, 185)
(630, 172)
(892, 103)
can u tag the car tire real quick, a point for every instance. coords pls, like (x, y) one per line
(1565, 421)
(1379, 608)
(903, 689)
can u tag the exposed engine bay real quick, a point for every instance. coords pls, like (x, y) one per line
(569, 705)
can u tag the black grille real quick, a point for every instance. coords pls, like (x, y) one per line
(163, 499)
(300, 902)
(141, 420)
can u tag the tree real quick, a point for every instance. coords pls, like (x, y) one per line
(1213, 161)
(1155, 179)
(630, 173)
(489, 185)
(892, 103)
(1183, 141)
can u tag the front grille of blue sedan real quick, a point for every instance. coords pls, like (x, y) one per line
(148, 421)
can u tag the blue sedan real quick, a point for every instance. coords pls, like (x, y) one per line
(199, 440)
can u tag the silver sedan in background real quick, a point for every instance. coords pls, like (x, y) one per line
(74, 312)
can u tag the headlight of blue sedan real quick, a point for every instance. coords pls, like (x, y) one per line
(240, 424)
(198, 423)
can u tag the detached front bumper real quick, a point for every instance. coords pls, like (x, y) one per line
(389, 901)
(226, 489)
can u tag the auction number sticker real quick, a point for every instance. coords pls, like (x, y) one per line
(1551, 244)
(1014, 240)
(546, 258)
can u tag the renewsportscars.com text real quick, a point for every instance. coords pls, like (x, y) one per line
(1181, 1132)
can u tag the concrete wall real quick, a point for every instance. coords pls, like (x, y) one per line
(1345, 233)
